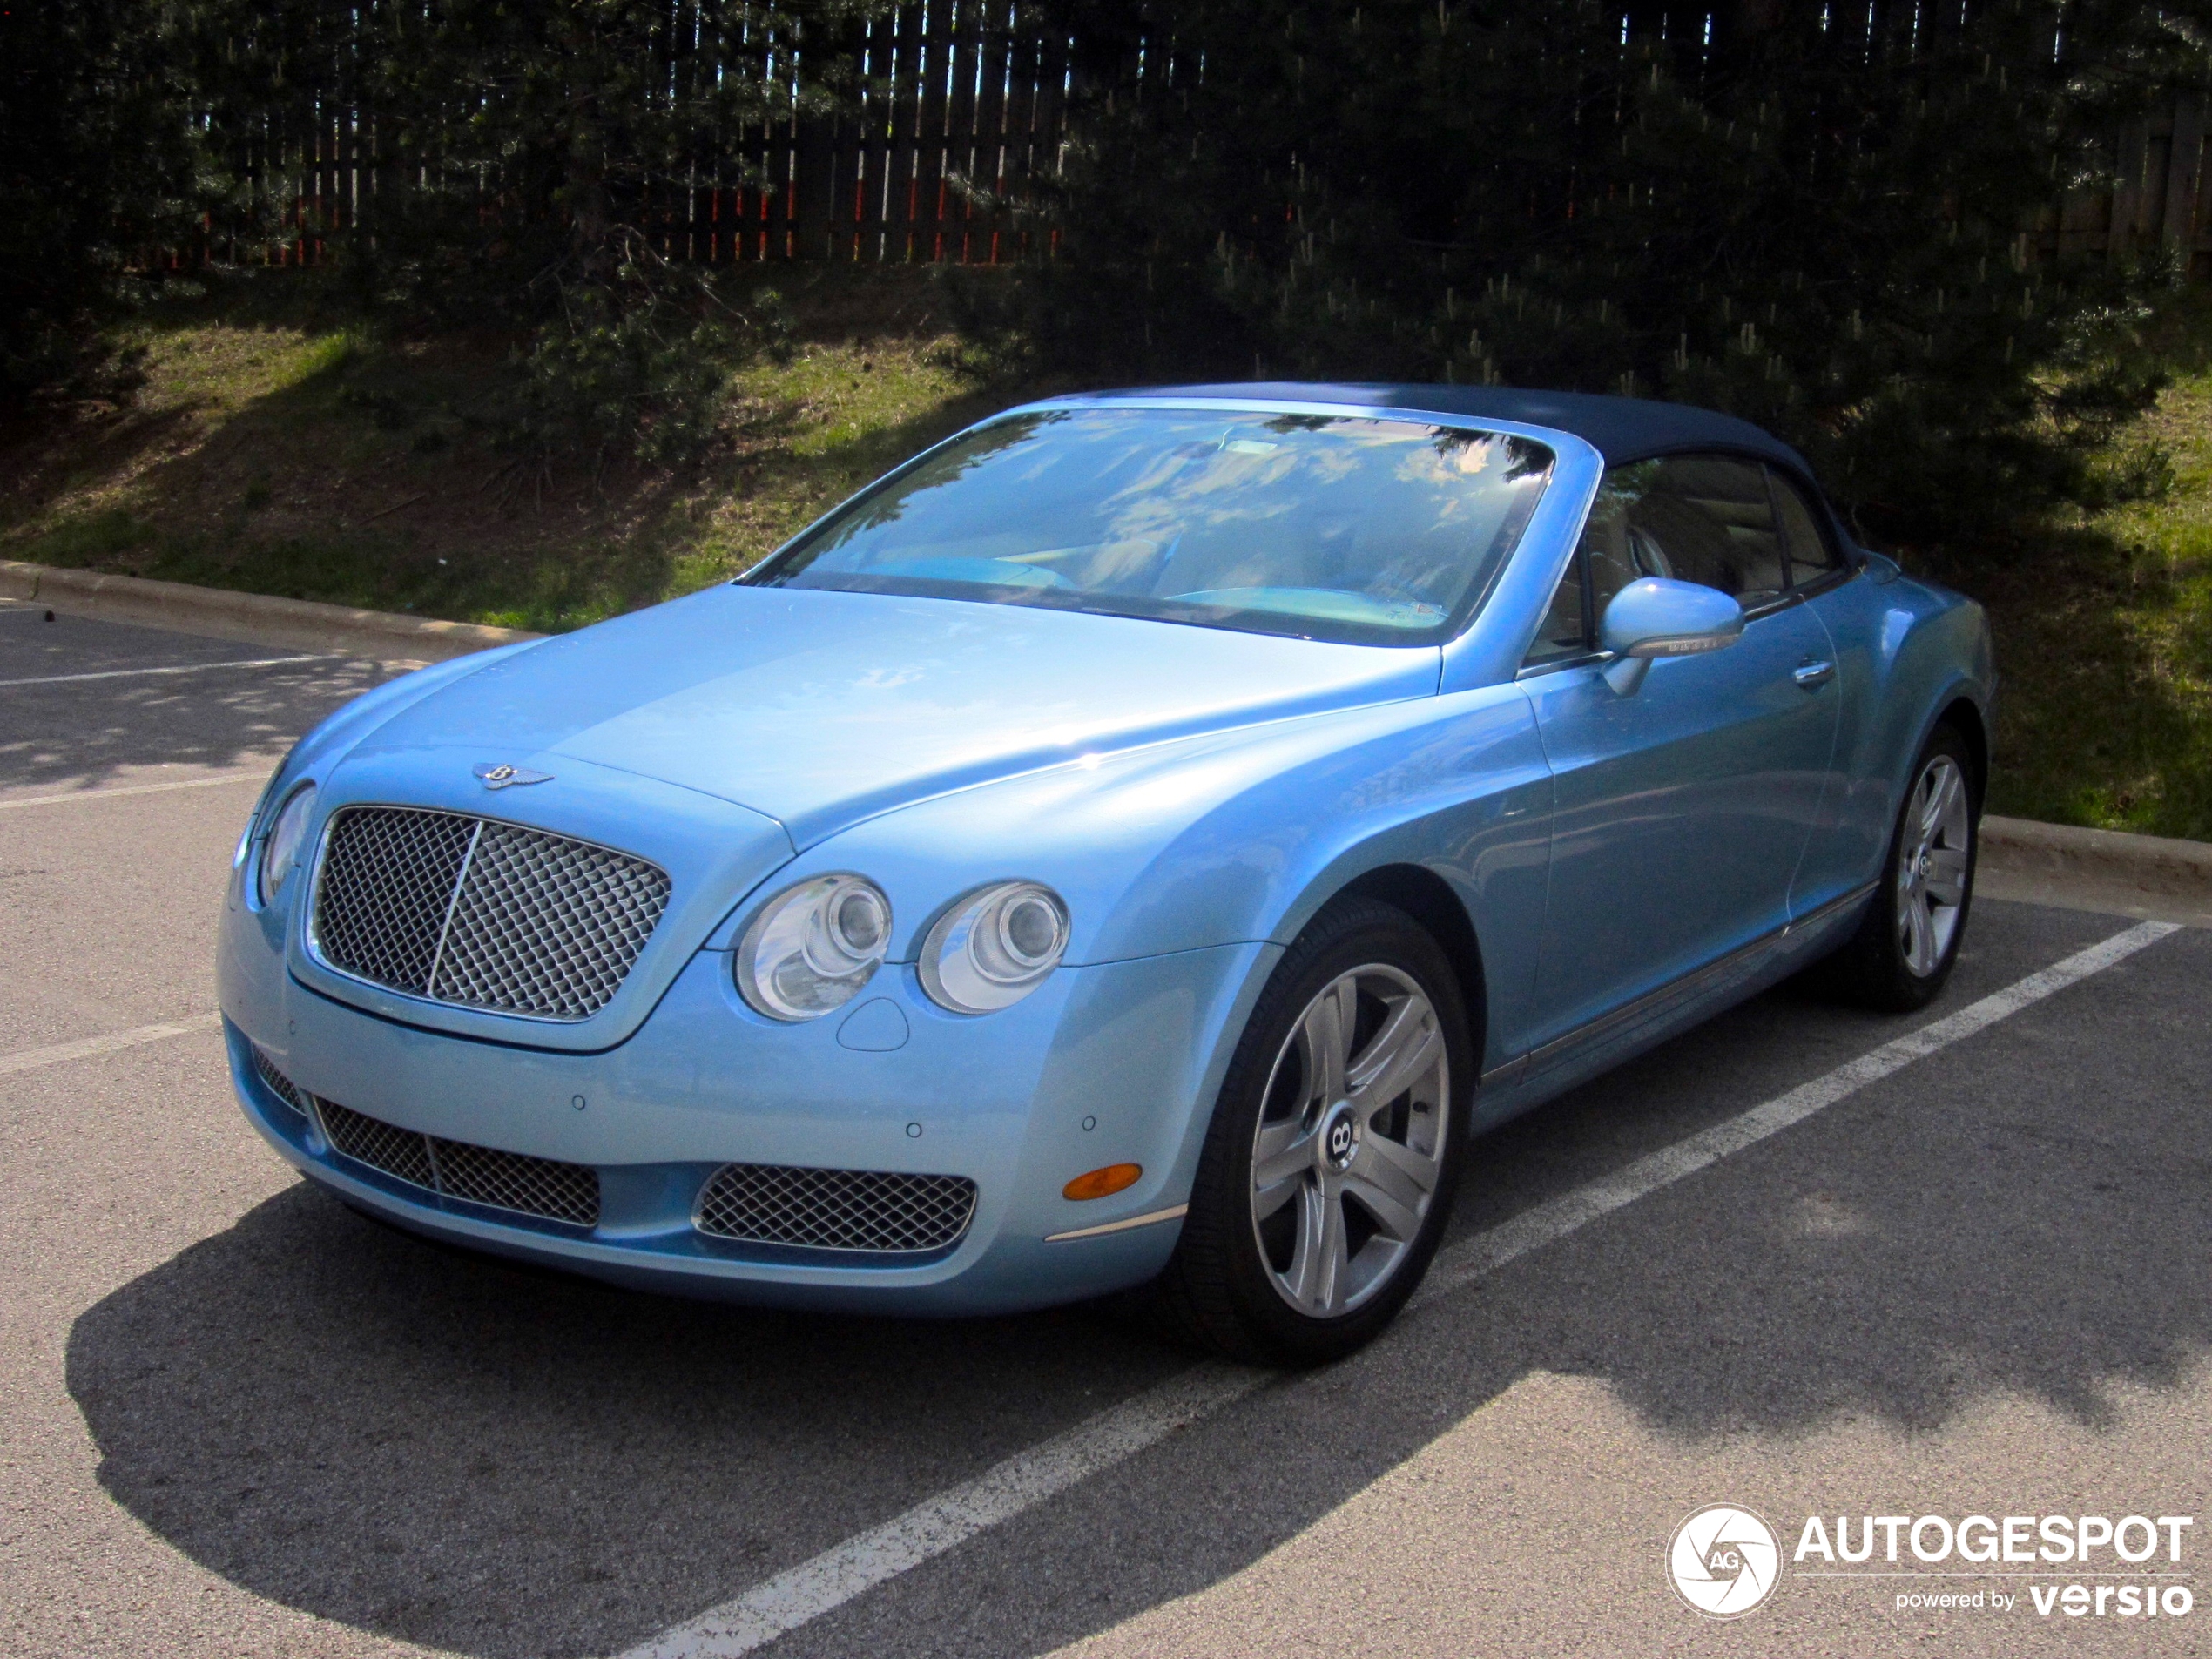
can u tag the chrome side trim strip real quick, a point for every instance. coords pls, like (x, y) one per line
(1120, 1226)
(1583, 659)
(1502, 1077)
(1821, 913)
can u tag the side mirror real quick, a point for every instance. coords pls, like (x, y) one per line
(1654, 616)
(1882, 568)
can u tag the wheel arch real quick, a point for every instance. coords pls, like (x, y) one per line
(1966, 714)
(1431, 901)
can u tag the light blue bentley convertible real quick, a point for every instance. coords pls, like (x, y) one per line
(1135, 844)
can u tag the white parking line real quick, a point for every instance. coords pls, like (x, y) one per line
(243, 775)
(1472, 1258)
(85, 1047)
(936, 1525)
(182, 668)
(944, 1522)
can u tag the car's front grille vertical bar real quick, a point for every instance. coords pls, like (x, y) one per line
(445, 925)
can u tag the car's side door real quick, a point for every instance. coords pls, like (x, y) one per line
(1679, 810)
(1852, 833)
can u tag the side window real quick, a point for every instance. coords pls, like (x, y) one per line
(1694, 518)
(1709, 519)
(1615, 551)
(1810, 556)
(1565, 631)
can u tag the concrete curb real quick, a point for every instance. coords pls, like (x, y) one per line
(2152, 863)
(256, 618)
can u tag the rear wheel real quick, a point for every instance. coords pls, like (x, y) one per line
(1330, 1165)
(1905, 948)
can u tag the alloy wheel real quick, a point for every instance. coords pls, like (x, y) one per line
(1350, 1144)
(1931, 867)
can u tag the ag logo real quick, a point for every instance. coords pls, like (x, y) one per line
(1724, 1561)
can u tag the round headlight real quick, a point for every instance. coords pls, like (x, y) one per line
(281, 851)
(994, 946)
(812, 947)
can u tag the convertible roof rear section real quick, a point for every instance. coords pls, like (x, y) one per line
(1620, 428)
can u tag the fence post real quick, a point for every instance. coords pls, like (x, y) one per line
(2184, 171)
(812, 183)
(2127, 192)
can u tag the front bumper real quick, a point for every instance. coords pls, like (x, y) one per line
(1103, 1064)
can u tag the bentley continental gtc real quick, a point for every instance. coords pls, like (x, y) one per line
(1134, 847)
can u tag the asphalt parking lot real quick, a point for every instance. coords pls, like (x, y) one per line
(1967, 1276)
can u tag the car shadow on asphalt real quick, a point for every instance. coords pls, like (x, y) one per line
(454, 1452)
(493, 1459)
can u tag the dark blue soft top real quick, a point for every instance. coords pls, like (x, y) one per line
(1620, 428)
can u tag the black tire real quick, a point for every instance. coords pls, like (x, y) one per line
(1219, 1289)
(1874, 968)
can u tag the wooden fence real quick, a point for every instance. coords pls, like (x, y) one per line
(961, 115)
(2163, 199)
(964, 118)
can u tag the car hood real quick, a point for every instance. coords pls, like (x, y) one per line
(822, 709)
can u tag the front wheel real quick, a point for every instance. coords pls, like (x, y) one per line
(1329, 1168)
(1905, 948)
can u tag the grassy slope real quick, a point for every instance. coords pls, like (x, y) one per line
(279, 448)
(2104, 639)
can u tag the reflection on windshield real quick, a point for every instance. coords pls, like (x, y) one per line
(1331, 527)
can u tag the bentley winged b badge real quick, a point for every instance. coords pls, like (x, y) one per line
(498, 776)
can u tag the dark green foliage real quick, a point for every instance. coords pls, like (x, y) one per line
(1811, 223)
(626, 366)
(519, 168)
(99, 171)
(591, 123)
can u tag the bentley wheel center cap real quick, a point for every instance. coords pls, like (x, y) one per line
(1339, 1136)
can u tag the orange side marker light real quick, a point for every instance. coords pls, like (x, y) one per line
(1103, 1183)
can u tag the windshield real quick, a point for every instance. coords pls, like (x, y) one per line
(1328, 527)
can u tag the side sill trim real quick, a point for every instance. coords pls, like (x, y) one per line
(1169, 1214)
(1688, 986)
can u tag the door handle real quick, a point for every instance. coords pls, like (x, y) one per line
(1811, 676)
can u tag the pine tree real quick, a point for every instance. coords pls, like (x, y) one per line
(1815, 223)
(100, 170)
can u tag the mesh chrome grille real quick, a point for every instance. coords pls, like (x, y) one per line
(543, 924)
(387, 884)
(835, 1209)
(480, 914)
(481, 1175)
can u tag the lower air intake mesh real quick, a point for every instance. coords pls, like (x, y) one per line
(514, 1181)
(276, 1081)
(767, 1203)
(566, 1192)
(366, 1140)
